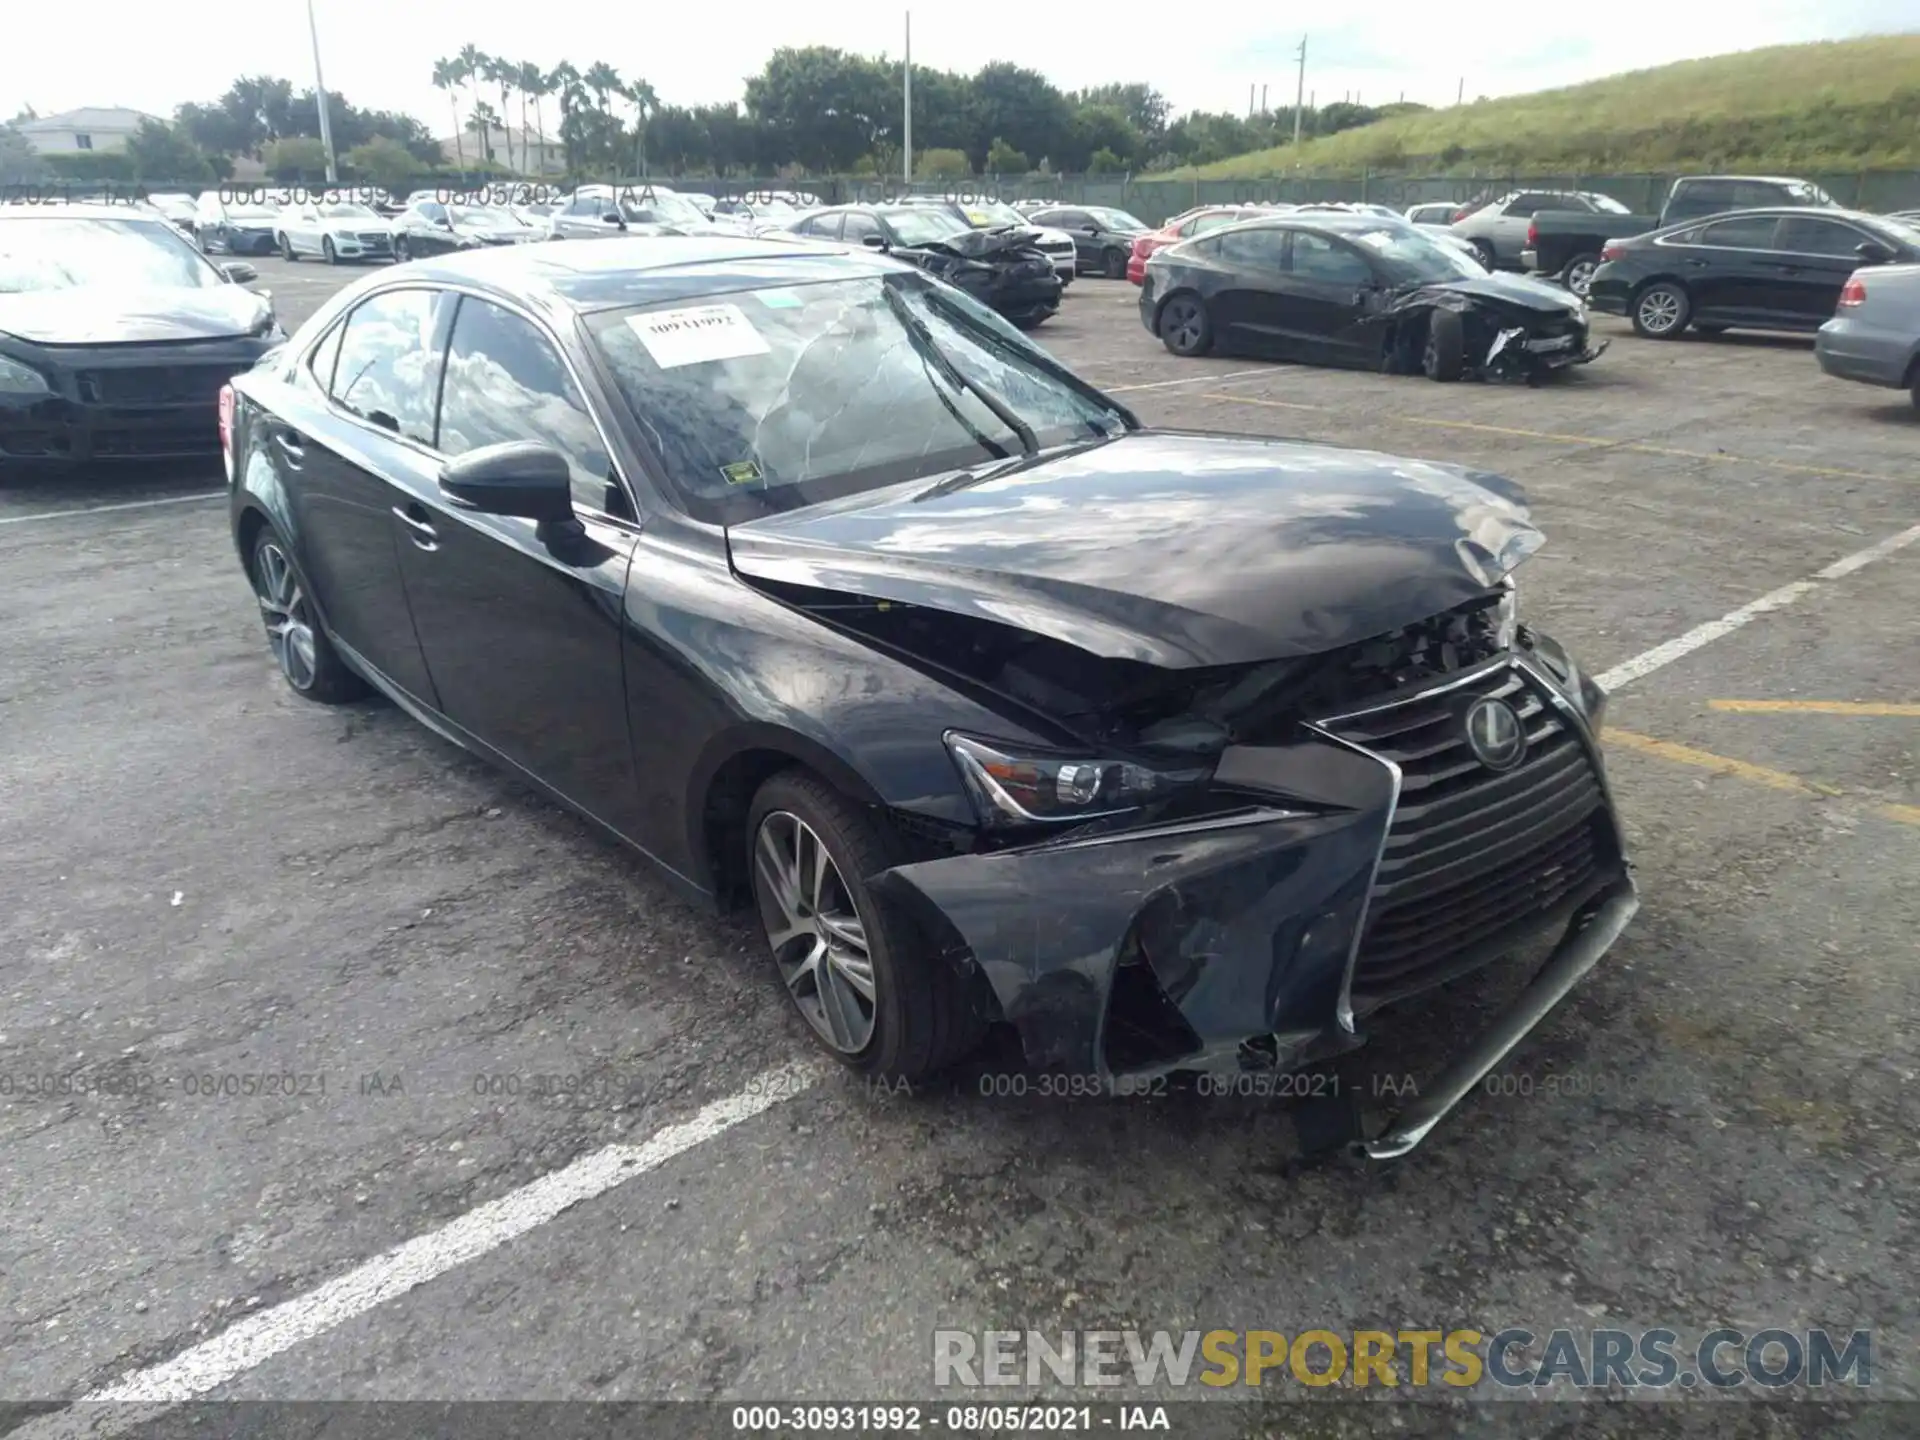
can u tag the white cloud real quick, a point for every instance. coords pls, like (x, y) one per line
(379, 53)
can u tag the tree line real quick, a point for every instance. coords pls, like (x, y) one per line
(813, 110)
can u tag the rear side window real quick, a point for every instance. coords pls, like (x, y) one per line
(325, 354)
(1262, 249)
(1527, 204)
(506, 381)
(1200, 224)
(388, 369)
(1749, 232)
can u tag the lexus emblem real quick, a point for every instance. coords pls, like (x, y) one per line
(1495, 735)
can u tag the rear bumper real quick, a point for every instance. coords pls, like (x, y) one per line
(125, 402)
(1262, 936)
(1850, 350)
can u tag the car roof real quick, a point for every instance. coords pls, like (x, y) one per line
(617, 273)
(1763, 179)
(1797, 212)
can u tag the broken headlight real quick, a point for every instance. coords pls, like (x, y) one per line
(1015, 787)
(1507, 617)
(1579, 687)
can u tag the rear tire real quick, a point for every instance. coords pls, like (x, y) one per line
(400, 255)
(919, 1018)
(308, 662)
(1487, 256)
(1661, 311)
(1444, 355)
(1116, 265)
(1578, 274)
(1185, 327)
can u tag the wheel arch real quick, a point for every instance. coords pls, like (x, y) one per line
(721, 788)
(1160, 305)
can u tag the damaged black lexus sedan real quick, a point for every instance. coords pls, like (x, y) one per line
(1361, 291)
(1002, 267)
(819, 585)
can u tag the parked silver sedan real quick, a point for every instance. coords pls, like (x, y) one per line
(1874, 335)
(333, 233)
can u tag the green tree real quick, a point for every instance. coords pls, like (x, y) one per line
(1144, 107)
(1020, 105)
(159, 152)
(18, 163)
(387, 163)
(823, 107)
(297, 158)
(447, 77)
(1104, 162)
(1003, 159)
(942, 164)
(1100, 127)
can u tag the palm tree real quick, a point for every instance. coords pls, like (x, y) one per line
(645, 104)
(565, 81)
(469, 61)
(483, 122)
(532, 81)
(502, 73)
(446, 76)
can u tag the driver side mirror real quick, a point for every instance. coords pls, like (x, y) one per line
(1089, 229)
(874, 242)
(238, 272)
(612, 217)
(1873, 252)
(442, 222)
(518, 477)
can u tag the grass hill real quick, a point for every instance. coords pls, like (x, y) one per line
(1838, 105)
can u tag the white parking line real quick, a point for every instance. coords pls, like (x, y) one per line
(1646, 663)
(106, 509)
(1191, 380)
(487, 1227)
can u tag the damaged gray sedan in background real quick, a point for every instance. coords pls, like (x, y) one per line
(837, 597)
(1360, 291)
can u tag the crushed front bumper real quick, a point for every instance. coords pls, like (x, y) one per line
(1366, 862)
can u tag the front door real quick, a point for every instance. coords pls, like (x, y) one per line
(1815, 257)
(522, 631)
(1324, 295)
(353, 470)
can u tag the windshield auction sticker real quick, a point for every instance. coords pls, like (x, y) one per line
(697, 334)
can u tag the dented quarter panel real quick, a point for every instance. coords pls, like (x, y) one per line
(1260, 549)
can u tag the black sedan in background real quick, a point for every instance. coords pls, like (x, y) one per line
(1358, 290)
(1001, 268)
(823, 588)
(1773, 269)
(1102, 236)
(429, 227)
(235, 227)
(116, 335)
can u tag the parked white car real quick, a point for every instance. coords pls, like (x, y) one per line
(343, 230)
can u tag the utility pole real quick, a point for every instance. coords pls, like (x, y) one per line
(1300, 90)
(1250, 99)
(320, 88)
(906, 95)
(1263, 100)
(1461, 98)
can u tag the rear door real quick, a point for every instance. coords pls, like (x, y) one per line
(1814, 256)
(353, 458)
(1730, 270)
(1247, 305)
(522, 632)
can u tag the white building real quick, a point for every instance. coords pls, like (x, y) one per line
(532, 153)
(92, 127)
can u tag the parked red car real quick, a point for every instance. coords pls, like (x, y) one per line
(1184, 227)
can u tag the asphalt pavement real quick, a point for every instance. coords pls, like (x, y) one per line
(435, 993)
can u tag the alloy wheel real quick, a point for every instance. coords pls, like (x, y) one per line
(288, 618)
(1580, 276)
(1182, 324)
(1659, 311)
(819, 941)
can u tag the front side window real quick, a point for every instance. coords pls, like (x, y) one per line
(1323, 259)
(763, 400)
(388, 369)
(506, 381)
(1806, 236)
(859, 226)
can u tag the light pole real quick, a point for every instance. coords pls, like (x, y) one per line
(1300, 89)
(906, 95)
(320, 89)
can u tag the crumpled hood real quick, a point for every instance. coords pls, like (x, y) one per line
(1521, 290)
(1172, 548)
(110, 315)
(985, 244)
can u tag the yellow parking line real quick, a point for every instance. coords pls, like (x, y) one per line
(1812, 707)
(1755, 774)
(1594, 442)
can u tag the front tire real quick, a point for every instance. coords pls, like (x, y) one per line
(286, 249)
(861, 976)
(1116, 266)
(1486, 252)
(1444, 355)
(1661, 311)
(327, 251)
(307, 660)
(400, 252)
(1185, 328)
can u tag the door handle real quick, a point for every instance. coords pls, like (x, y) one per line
(292, 443)
(418, 528)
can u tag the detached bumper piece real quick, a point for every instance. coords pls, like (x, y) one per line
(1362, 860)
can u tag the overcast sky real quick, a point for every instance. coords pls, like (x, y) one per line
(380, 53)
